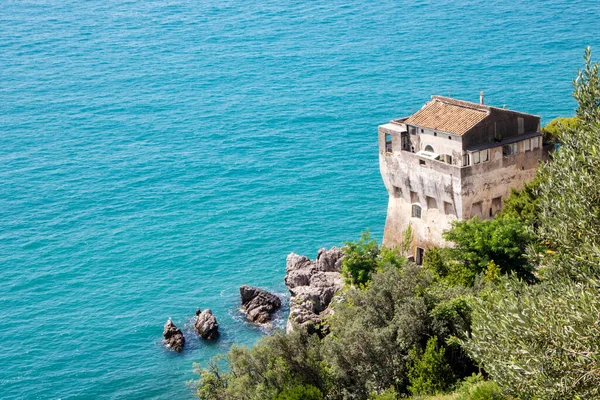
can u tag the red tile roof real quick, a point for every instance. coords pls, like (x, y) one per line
(449, 115)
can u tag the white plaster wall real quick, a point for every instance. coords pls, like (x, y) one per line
(441, 144)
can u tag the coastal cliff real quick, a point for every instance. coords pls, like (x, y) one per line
(312, 284)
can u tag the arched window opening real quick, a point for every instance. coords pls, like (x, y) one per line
(429, 148)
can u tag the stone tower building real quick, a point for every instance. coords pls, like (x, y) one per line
(453, 160)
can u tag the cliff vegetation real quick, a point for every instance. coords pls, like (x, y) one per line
(511, 312)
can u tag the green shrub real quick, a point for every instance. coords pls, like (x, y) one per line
(360, 260)
(477, 242)
(539, 341)
(373, 331)
(429, 372)
(300, 392)
(475, 388)
(389, 394)
(275, 365)
(553, 128)
(435, 261)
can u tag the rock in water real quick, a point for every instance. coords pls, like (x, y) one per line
(312, 285)
(206, 325)
(258, 304)
(173, 336)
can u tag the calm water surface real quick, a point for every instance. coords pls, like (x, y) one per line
(155, 155)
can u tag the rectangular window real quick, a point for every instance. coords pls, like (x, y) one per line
(405, 141)
(535, 143)
(397, 192)
(448, 158)
(431, 203)
(414, 197)
(526, 145)
(485, 155)
(521, 124)
(476, 157)
(388, 143)
(412, 130)
(416, 211)
(466, 160)
(509, 149)
(448, 208)
(419, 256)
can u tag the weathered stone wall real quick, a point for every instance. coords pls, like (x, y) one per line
(444, 192)
(484, 182)
(434, 186)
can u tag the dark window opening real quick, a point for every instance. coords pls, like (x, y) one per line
(434, 133)
(397, 192)
(419, 256)
(405, 142)
(429, 148)
(416, 211)
(491, 213)
(509, 149)
(421, 162)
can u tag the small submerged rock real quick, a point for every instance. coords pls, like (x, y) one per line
(173, 336)
(206, 325)
(258, 304)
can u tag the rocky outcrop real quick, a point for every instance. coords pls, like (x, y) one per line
(258, 304)
(206, 325)
(312, 285)
(173, 336)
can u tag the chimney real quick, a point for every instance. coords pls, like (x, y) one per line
(481, 97)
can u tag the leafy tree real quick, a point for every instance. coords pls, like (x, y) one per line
(278, 365)
(543, 341)
(552, 130)
(429, 372)
(523, 204)
(360, 259)
(569, 191)
(435, 261)
(364, 257)
(300, 392)
(539, 341)
(477, 242)
(373, 331)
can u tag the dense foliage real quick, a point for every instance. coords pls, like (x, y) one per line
(517, 297)
(540, 341)
(477, 243)
(543, 341)
(552, 130)
(364, 257)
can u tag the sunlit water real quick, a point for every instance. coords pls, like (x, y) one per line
(156, 155)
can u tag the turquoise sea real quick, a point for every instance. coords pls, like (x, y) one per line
(155, 155)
